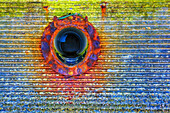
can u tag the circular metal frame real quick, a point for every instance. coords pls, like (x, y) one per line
(48, 49)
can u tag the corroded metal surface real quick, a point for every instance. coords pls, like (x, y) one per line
(131, 74)
(88, 56)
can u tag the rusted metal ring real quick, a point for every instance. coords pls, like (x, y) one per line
(49, 50)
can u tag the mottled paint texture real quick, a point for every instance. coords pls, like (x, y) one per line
(131, 73)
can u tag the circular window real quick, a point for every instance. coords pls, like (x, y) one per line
(70, 45)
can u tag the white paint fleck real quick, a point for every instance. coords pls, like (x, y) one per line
(111, 70)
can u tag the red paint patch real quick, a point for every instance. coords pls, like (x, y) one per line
(103, 8)
(46, 8)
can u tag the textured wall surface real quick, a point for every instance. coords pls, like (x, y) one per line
(131, 74)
